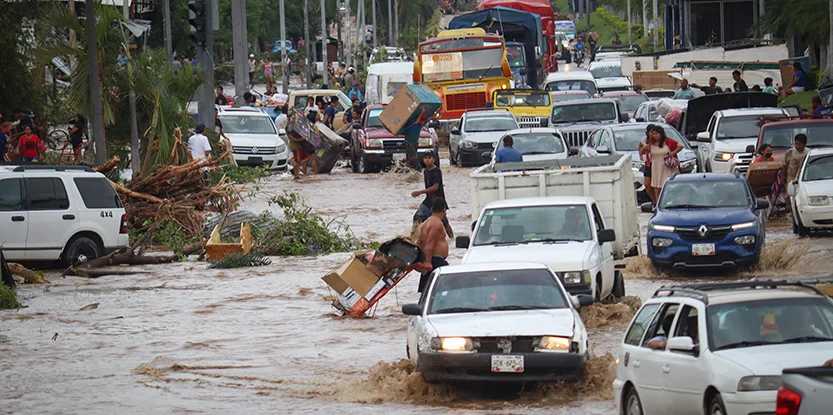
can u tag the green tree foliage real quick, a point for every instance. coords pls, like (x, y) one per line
(21, 86)
(807, 19)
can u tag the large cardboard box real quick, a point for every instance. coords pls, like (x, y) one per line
(353, 274)
(405, 107)
(351, 303)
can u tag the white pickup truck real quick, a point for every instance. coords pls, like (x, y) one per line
(575, 215)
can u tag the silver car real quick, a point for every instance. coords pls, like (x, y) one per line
(537, 144)
(473, 139)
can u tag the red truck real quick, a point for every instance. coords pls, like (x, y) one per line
(374, 147)
(542, 8)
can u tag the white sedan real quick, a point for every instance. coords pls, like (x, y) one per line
(505, 322)
(537, 144)
(812, 193)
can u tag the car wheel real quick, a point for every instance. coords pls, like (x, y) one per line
(364, 166)
(459, 160)
(451, 157)
(597, 294)
(80, 250)
(802, 230)
(633, 406)
(354, 163)
(618, 285)
(716, 406)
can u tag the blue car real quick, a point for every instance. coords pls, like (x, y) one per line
(706, 221)
(287, 44)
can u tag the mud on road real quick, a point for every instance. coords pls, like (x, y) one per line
(185, 338)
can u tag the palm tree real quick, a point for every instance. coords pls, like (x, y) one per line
(800, 18)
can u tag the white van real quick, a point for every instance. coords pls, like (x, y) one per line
(571, 81)
(385, 79)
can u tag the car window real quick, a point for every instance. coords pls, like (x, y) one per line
(818, 168)
(495, 290)
(687, 325)
(637, 329)
(373, 118)
(300, 101)
(705, 194)
(739, 127)
(573, 85)
(819, 134)
(710, 128)
(536, 143)
(606, 71)
(602, 111)
(97, 193)
(45, 193)
(597, 218)
(628, 140)
(11, 197)
(247, 124)
(492, 123)
(534, 223)
(604, 140)
(593, 139)
(771, 321)
(631, 102)
(661, 324)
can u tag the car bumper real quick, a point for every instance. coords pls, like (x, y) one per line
(475, 156)
(816, 216)
(577, 289)
(748, 403)
(477, 367)
(727, 252)
(377, 156)
(272, 161)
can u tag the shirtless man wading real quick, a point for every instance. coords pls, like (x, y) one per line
(432, 241)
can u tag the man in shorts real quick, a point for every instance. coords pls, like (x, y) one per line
(433, 178)
(432, 241)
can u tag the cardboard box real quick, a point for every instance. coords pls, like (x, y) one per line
(382, 264)
(405, 107)
(353, 274)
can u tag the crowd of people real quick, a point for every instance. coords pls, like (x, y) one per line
(23, 138)
(797, 84)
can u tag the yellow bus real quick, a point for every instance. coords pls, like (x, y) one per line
(463, 69)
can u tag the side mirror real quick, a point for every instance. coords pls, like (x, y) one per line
(640, 119)
(434, 124)
(412, 310)
(486, 155)
(455, 131)
(623, 118)
(750, 148)
(762, 204)
(281, 131)
(791, 188)
(679, 344)
(646, 207)
(523, 71)
(581, 300)
(602, 150)
(606, 235)
(573, 151)
(462, 242)
(357, 126)
(704, 137)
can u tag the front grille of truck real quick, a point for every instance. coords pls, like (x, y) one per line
(532, 122)
(519, 344)
(714, 234)
(576, 138)
(393, 145)
(742, 161)
(253, 150)
(465, 101)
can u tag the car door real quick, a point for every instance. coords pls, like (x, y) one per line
(454, 139)
(588, 149)
(605, 252)
(14, 219)
(604, 143)
(651, 362)
(684, 373)
(705, 149)
(51, 220)
(638, 360)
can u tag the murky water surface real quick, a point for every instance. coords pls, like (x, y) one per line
(184, 338)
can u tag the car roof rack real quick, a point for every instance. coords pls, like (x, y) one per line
(700, 291)
(29, 167)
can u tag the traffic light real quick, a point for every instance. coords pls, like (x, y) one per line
(197, 11)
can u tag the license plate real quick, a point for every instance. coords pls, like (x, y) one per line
(702, 249)
(255, 159)
(399, 157)
(513, 364)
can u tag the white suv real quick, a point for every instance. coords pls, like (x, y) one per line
(254, 139)
(722, 147)
(67, 213)
(720, 348)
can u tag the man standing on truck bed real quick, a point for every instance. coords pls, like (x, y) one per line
(432, 240)
(412, 133)
(434, 190)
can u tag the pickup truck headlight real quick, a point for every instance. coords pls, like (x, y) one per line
(759, 383)
(452, 344)
(426, 142)
(575, 277)
(374, 143)
(742, 226)
(552, 343)
(662, 228)
(818, 200)
(718, 156)
(280, 148)
(468, 144)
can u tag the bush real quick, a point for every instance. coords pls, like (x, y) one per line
(8, 298)
(619, 26)
(238, 174)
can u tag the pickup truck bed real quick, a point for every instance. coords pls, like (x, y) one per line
(814, 385)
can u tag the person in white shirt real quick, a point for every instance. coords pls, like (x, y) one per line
(198, 144)
(310, 106)
(281, 120)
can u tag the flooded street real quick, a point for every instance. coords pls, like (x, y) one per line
(185, 338)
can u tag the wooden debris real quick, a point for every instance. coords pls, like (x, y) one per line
(28, 275)
(215, 249)
(110, 165)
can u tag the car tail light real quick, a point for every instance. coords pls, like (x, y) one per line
(123, 226)
(787, 402)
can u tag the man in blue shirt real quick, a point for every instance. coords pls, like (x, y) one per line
(355, 93)
(330, 112)
(684, 92)
(509, 154)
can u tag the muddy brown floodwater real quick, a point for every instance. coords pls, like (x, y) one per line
(185, 338)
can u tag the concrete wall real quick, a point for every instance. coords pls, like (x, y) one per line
(773, 53)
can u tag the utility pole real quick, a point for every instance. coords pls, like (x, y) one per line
(656, 27)
(134, 126)
(205, 60)
(166, 14)
(95, 87)
(285, 70)
(587, 11)
(239, 49)
(324, 42)
(630, 17)
(396, 23)
(373, 10)
(309, 60)
(359, 30)
(645, 18)
(348, 56)
(390, 23)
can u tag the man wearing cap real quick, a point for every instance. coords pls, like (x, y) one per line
(252, 69)
(198, 144)
(347, 77)
(355, 93)
(434, 190)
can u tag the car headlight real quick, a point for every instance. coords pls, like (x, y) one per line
(742, 226)
(818, 200)
(661, 242)
(759, 383)
(426, 142)
(723, 156)
(638, 164)
(468, 144)
(280, 148)
(745, 240)
(374, 143)
(575, 277)
(552, 343)
(452, 344)
(662, 228)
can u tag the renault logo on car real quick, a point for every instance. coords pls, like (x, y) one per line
(703, 230)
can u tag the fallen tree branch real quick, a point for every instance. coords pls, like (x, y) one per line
(110, 165)
(28, 275)
(130, 258)
(98, 273)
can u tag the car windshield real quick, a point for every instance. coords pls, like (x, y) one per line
(515, 54)
(569, 97)
(631, 102)
(536, 143)
(534, 224)
(526, 289)
(775, 321)
(606, 71)
(628, 140)
(739, 127)
(373, 118)
(819, 168)
(248, 124)
(603, 111)
(819, 134)
(704, 194)
(494, 123)
(659, 94)
(573, 85)
(522, 99)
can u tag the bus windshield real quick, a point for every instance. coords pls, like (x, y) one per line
(445, 61)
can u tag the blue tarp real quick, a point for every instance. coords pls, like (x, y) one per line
(513, 25)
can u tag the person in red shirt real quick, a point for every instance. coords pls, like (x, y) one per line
(28, 145)
(664, 161)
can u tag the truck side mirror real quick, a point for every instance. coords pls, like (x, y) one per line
(791, 188)
(573, 151)
(486, 155)
(750, 148)
(606, 235)
(581, 300)
(412, 310)
(455, 131)
(762, 204)
(462, 242)
(602, 150)
(704, 137)
(646, 207)
(640, 119)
